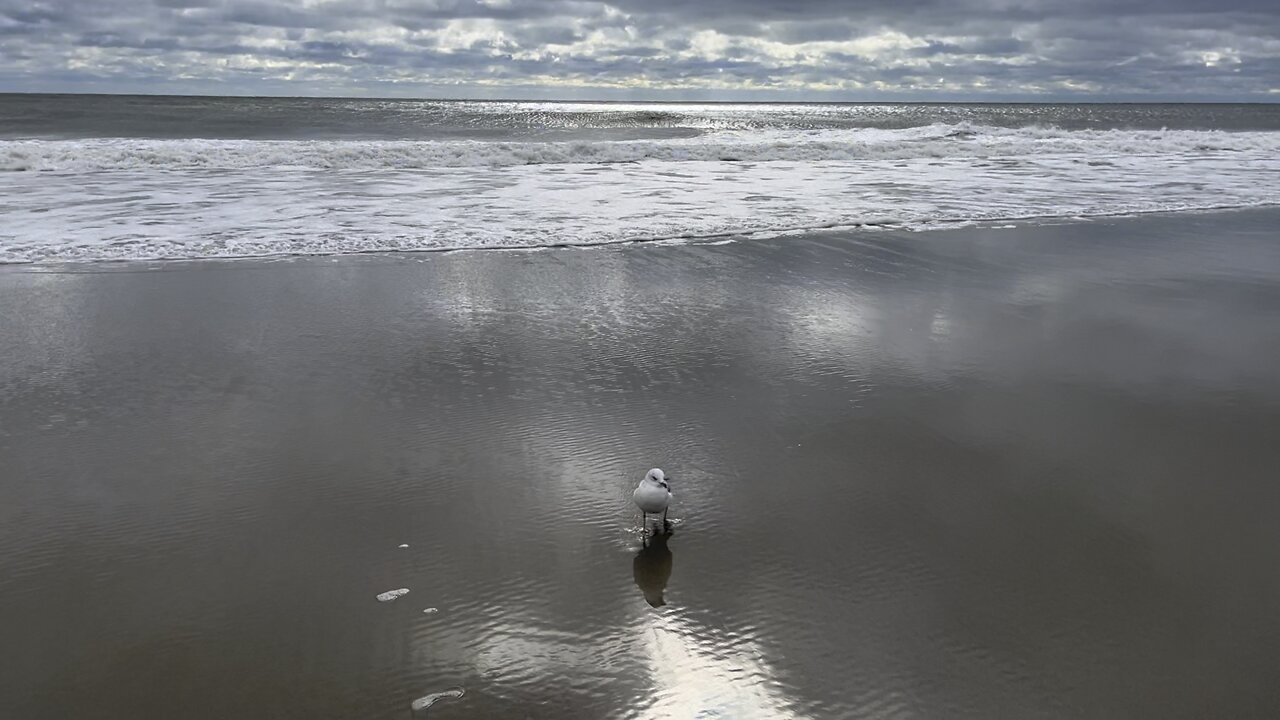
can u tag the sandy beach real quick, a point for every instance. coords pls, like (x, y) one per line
(1017, 471)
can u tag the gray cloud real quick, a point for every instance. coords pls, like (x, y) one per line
(718, 49)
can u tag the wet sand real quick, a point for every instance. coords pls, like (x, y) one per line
(982, 473)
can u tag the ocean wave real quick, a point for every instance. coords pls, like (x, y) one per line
(939, 140)
(116, 199)
(173, 214)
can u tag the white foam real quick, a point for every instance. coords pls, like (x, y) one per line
(773, 145)
(97, 200)
(427, 701)
(390, 595)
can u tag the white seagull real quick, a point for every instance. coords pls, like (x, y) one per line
(652, 496)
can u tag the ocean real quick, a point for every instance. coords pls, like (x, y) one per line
(99, 178)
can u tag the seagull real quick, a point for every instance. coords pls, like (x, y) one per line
(652, 496)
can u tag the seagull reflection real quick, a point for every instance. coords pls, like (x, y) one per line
(652, 568)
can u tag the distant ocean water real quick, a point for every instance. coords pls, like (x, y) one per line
(89, 178)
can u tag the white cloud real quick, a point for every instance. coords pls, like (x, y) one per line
(980, 48)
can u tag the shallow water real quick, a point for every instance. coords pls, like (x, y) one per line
(984, 473)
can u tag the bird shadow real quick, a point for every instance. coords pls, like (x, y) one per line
(651, 567)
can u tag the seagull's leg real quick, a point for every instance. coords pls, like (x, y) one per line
(665, 524)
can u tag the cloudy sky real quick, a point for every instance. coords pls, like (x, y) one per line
(662, 49)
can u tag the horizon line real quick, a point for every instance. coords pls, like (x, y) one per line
(428, 98)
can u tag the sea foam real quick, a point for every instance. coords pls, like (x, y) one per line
(827, 145)
(128, 199)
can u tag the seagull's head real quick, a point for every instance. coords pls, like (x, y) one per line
(658, 477)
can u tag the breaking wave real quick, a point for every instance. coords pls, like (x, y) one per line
(942, 141)
(95, 199)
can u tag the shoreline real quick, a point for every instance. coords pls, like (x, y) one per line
(122, 264)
